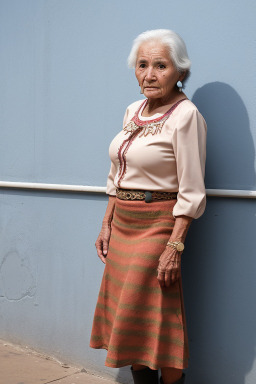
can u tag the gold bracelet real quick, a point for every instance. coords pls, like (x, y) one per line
(178, 245)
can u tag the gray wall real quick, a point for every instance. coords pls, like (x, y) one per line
(64, 86)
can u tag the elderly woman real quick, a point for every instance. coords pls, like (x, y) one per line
(155, 187)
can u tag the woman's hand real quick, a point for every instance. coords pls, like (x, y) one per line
(104, 236)
(103, 241)
(169, 267)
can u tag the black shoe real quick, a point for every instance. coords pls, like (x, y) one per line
(145, 376)
(180, 381)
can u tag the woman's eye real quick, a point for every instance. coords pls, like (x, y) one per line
(162, 66)
(142, 65)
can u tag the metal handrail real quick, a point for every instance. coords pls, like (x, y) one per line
(245, 194)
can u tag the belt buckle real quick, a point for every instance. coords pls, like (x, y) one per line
(148, 197)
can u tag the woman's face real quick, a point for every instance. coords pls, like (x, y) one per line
(155, 72)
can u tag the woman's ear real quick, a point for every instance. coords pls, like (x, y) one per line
(182, 76)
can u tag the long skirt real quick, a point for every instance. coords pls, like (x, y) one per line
(136, 320)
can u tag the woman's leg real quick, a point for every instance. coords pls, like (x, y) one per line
(144, 375)
(138, 367)
(170, 375)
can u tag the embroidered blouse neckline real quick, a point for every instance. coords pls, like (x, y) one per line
(149, 119)
(151, 126)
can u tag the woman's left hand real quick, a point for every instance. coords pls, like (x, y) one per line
(169, 267)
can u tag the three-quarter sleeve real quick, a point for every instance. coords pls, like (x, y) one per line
(189, 145)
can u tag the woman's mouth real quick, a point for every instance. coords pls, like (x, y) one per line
(149, 88)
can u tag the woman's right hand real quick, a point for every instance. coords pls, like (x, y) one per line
(102, 241)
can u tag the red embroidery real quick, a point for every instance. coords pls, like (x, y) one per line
(153, 126)
(139, 122)
(122, 154)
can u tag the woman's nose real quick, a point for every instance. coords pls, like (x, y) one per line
(150, 74)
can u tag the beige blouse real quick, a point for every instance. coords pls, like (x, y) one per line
(162, 153)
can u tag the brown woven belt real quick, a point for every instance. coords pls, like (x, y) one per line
(127, 194)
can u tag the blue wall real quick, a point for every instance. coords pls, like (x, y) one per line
(64, 86)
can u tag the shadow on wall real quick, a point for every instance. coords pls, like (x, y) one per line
(219, 261)
(219, 288)
(230, 148)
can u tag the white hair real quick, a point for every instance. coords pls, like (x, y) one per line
(175, 44)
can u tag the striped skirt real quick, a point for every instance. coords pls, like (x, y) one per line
(136, 320)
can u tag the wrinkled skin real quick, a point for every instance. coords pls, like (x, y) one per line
(157, 77)
(169, 267)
